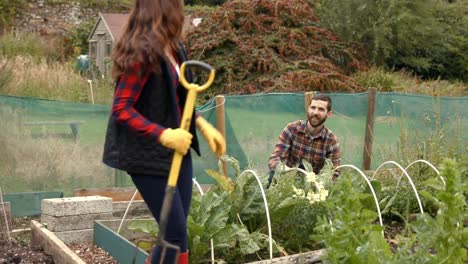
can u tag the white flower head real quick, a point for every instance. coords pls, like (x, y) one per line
(311, 177)
(299, 193)
(323, 194)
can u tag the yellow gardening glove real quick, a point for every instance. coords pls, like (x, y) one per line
(177, 139)
(213, 137)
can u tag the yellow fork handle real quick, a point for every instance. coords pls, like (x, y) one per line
(177, 159)
(193, 89)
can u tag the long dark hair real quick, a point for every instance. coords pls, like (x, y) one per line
(152, 26)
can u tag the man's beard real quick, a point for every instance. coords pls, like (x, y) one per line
(320, 121)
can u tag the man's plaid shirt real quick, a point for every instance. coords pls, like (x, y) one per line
(296, 144)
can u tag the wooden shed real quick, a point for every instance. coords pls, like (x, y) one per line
(103, 37)
(107, 31)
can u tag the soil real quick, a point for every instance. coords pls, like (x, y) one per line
(18, 252)
(90, 253)
(19, 249)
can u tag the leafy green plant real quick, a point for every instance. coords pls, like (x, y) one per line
(351, 236)
(79, 37)
(232, 214)
(445, 234)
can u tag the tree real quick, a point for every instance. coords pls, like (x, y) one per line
(427, 37)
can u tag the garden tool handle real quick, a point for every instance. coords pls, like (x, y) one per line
(193, 89)
(190, 86)
(184, 124)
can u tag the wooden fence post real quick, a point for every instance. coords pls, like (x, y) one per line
(307, 99)
(221, 122)
(369, 133)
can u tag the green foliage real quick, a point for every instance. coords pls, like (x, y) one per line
(8, 10)
(440, 138)
(232, 214)
(427, 37)
(79, 36)
(379, 78)
(446, 233)
(351, 237)
(403, 81)
(144, 226)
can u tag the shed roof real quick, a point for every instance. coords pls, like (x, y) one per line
(115, 24)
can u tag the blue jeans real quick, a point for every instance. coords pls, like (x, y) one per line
(152, 189)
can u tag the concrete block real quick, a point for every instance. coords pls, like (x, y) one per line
(76, 206)
(137, 208)
(72, 222)
(76, 236)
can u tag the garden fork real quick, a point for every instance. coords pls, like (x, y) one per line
(193, 89)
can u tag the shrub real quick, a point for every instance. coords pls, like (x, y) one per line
(8, 10)
(79, 37)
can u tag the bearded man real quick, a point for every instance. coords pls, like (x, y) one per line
(308, 140)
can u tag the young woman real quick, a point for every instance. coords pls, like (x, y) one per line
(143, 130)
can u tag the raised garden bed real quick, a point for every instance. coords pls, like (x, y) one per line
(118, 245)
(123, 250)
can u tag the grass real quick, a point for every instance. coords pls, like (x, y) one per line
(33, 45)
(405, 82)
(31, 163)
(24, 76)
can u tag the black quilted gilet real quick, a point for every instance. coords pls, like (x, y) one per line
(128, 151)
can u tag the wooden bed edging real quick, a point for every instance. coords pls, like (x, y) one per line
(52, 245)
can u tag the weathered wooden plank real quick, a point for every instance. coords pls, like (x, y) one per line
(52, 245)
(5, 226)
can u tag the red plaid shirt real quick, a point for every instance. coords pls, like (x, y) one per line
(126, 94)
(296, 144)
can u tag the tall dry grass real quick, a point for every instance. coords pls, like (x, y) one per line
(405, 82)
(31, 163)
(52, 80)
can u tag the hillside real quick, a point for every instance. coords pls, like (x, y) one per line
(256, 47)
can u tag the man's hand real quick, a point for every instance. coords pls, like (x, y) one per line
(215, 140)
(177, 139)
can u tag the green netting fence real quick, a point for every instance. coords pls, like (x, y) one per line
(39, 151)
